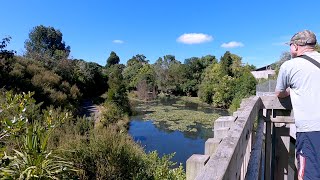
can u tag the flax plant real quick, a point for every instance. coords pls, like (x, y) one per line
(33, 159)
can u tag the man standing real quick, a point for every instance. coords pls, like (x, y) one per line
(300, 78)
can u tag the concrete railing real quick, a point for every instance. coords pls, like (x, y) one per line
(237, 150)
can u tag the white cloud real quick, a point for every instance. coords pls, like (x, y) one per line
(194, 38)
(118, 41)
(232, 44)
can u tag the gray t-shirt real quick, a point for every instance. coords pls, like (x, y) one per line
(303, 78)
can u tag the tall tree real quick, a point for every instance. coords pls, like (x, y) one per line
(3, 52)
(113, 59)
(285, 56)
(164, 77)
(226, 62)
(132, 69)
(236, 66)
(194, 68)
(145, 82)
(46, 41)
(89, 76)
(227, 82)
(117, 89)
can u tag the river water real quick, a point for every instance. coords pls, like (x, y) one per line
(164, 141)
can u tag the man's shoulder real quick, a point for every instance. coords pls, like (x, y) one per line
(314, 54)
(300, 60)
(292, 64)
(288, 63)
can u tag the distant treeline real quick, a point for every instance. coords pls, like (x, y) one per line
(41, 91)
(46, 69)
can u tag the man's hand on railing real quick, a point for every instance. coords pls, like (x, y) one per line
(283, 94)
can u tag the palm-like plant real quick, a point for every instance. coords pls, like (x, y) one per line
(34, 160)
(41, 166)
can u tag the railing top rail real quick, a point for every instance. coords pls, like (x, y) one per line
(273, 102)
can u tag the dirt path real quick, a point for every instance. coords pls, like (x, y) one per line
(89, 109)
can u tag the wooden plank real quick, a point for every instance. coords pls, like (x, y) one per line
(281, 146)
(256, 153)
(267, 170)
(273, 102)
(283, 119)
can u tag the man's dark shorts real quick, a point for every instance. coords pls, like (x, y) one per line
(308, 155)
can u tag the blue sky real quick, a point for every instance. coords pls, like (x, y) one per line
(254, 30)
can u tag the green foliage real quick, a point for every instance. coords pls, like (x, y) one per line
(108, 154)
(4, 43)
(46, 41)
(89, 76)
(75, 92)
(223, 93)
(83, 125)
(130, 73)
(251, 67)
(161, 167)
(18, 71)
(132, 69)
(146, 73)
(146, 82)
(21, 75)
(5, 54)
(211, 79)
(193, 70)
(137, 59)
(226, 63)
(112, 59)
(165, 78)
(117, 92)
(226, 83)
(63, 85)
(235, 104)
(176, 116)
(46, 79)
(176, 78)
(33, 159)
(111, 113)
(14, 109)
(246, 83)
(245, 86)
(285, 56)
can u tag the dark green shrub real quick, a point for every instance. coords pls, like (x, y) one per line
(108, 154)
(110, 114)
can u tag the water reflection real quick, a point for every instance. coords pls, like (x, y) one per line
(165, 142)
(157, 135)
(201, 131)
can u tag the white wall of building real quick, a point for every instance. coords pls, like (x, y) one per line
(263, 74)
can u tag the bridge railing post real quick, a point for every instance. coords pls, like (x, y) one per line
(283, 158)
(268, 144)
(255, 170)
(195, 164)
